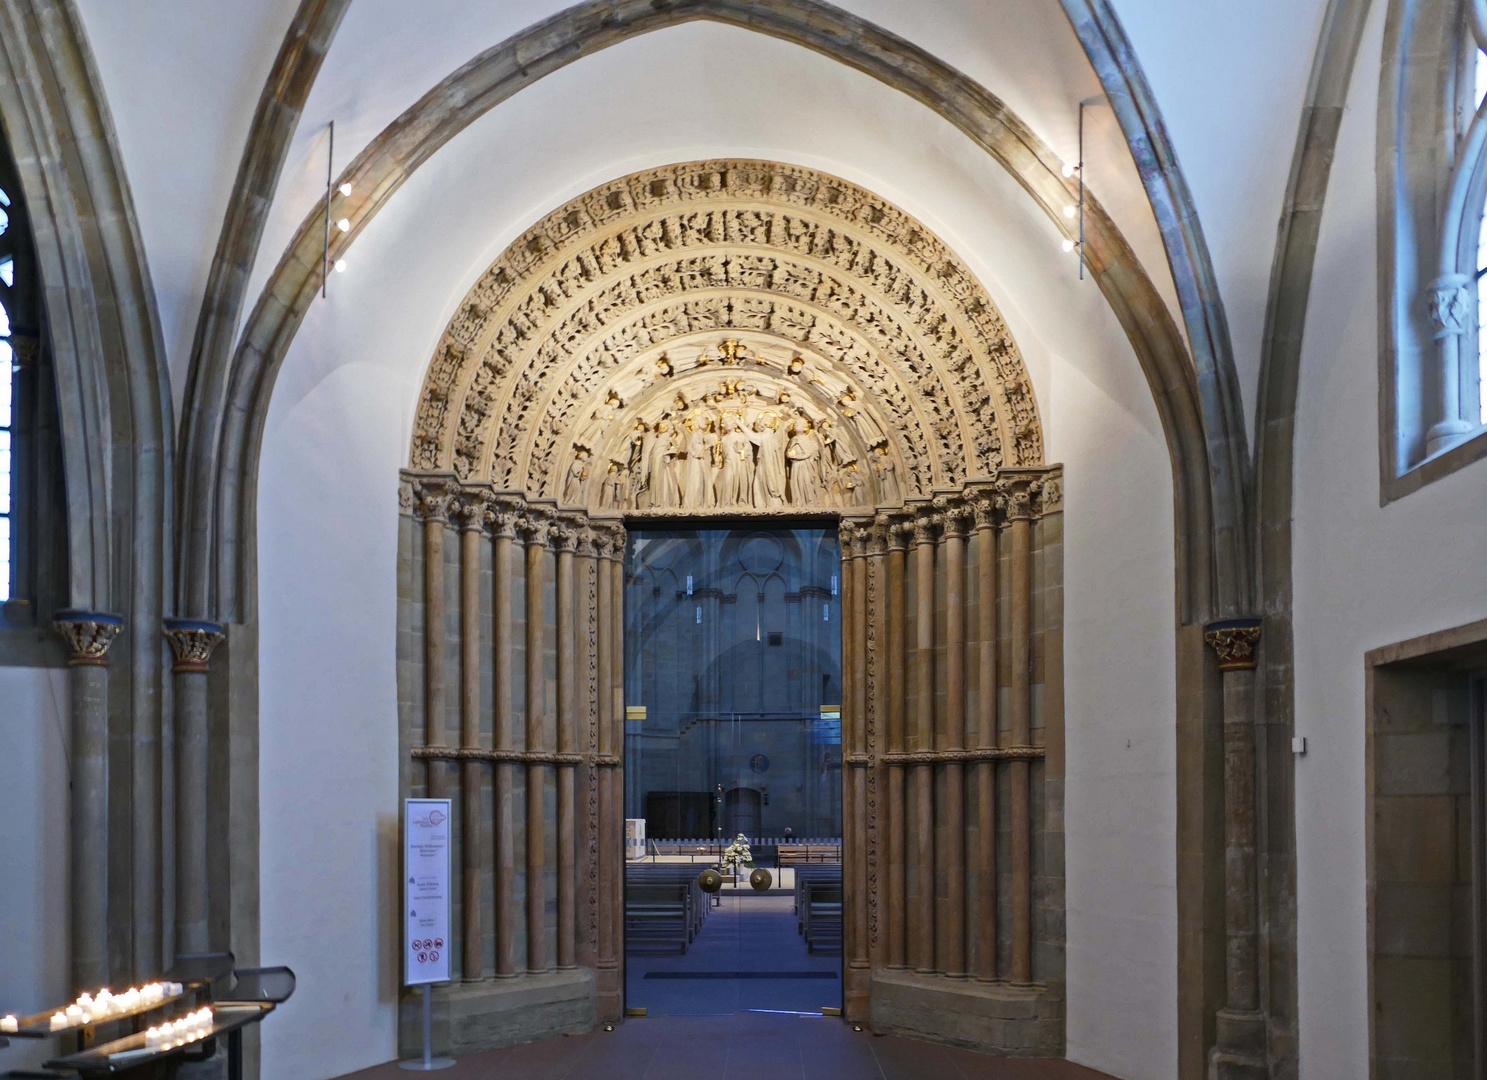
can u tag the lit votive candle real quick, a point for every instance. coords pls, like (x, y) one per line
(9, 1023)
(59, 1021)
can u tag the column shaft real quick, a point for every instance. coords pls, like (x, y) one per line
(616, 838)
(433, 646)
(607, 862)
(1241, 982)
(567, 693)
(896, 614)
(986, 738)
(859, 747)
(954, 859)
(1021, 770)
(471, 847)
(536, 772)
(90, 827)
(924, 839)
(505, 772)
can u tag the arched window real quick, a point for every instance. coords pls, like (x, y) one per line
(1432, 129)
(33, 534)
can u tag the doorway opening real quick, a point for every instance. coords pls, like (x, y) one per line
(733, 763)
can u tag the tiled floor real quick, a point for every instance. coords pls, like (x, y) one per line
(743, 1046)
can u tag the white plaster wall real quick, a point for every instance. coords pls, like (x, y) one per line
(339, 429)
(1365, 576)
(1230, 77)
(34, 958)
(1024, 51)
(181, 81)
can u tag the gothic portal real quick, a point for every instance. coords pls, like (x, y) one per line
(739, 340)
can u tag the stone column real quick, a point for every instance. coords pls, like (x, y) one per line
(192, 642)
(615, 840)
(88, 635)
(586, 589)
(925, 521)
(503, 526)
(1239, 1049)
(472, 511)
(986, 735)
(954, 856)
(536, 527)
(854, 616)
(896, 615)
(876, 735)
(564, 537)
(1451, 301)
(1019, 514)
(608, 990)
(434, 501)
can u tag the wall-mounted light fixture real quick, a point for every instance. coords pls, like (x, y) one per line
(1076, 209)
(344, 224)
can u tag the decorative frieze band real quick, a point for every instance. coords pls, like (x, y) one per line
(88, 635)
(1011, 493)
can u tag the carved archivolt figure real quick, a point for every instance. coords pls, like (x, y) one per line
(578, 472)
(804, 454)
(697, 468)
(612, 495)
(769, 473)
(735, 479)
(665, 493)
(888, 490)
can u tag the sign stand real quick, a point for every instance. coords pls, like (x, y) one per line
(426, 912)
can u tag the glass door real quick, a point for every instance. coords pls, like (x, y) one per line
(733, 763)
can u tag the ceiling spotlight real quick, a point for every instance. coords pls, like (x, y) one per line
(1068, 246)
(341, 264)
(344, 224)
(345, 189)
(1068, 171)
(1070, 210)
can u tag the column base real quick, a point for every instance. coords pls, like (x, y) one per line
(1239, 1047)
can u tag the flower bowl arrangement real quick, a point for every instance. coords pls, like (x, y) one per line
(737, 854)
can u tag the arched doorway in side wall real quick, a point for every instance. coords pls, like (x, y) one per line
(733, 742)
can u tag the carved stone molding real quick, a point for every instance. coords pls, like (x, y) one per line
(750, 299)
(939, 757)
(476, 753)
(192, 642)
(1234, 640)
(88, 635)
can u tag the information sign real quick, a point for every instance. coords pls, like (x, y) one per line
(426, 891)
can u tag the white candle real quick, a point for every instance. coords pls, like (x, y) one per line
(59, 1020)
(9, 1023)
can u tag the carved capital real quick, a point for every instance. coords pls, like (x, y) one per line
(471, 510)
(1450, 301)
(1018, 497)
(405, 497)
(957, 516)
(880, 535)
(564, 535)
(432, 498)
(1050, 494)
(535, 527)
(926, 525)
(1234, 641)
(88, 635)
(192, 642)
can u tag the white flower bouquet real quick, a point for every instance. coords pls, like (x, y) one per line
(737, 854)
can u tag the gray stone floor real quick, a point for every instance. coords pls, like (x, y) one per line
(743, 1046)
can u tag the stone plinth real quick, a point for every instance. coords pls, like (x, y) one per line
(994, 1017)
(469, 1017)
